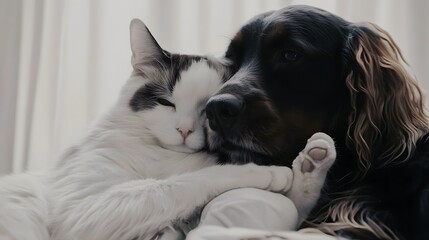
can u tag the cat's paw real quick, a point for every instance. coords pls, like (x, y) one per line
(282, 178)
(278, 179)
(317, 157)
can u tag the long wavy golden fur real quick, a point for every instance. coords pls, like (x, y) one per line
(387, 104)
(386, 120)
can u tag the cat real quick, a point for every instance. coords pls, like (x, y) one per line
(143, 167)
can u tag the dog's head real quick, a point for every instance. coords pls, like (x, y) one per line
(300, 70)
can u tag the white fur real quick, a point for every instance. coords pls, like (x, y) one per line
(190, 94)
(23, 207)
(124, 180)
(119, 183)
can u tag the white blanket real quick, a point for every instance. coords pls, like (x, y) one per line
(223, 233)
(251, 214)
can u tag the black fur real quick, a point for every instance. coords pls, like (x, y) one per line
(287, 101)
(170, 66)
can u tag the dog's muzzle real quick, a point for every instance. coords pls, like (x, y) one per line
(223, 112)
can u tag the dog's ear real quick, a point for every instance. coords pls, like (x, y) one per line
(146, 52)
(387, 115)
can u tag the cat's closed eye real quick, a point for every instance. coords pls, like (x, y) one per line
(165, 102)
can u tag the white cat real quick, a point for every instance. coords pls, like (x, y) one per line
(143, 168)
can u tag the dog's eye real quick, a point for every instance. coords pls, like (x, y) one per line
(291, 56)
(165, 102)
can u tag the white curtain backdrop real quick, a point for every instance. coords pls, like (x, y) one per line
(62, 62)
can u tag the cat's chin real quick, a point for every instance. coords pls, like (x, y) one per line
(180, 148)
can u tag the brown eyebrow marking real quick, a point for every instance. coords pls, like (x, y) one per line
(275, 31)
(238, 38)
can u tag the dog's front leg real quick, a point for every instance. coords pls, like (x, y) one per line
(310, 169)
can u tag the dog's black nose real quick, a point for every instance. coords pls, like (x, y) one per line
(223, 111)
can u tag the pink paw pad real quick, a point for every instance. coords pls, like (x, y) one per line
(318, 154)
(307, 166)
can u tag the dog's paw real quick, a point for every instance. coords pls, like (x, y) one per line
(317, 157)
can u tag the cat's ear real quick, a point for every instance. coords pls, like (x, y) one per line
(146, 51)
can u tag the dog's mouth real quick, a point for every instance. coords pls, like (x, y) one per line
(238, 143)
(242, 128)
(237, 148)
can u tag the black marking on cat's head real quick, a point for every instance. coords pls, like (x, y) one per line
(161, 68)
(162, 81)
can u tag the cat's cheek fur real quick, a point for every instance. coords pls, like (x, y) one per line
(161, 121)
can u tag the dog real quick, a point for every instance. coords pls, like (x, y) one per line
(301, 70)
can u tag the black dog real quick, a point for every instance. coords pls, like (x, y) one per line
(301, 70)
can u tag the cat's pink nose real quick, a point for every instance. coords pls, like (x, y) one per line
(184, 132)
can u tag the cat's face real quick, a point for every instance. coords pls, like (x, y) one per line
(168, 92)
(172, 107)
